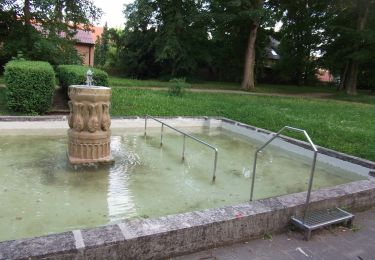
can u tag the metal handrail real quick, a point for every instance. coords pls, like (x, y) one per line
(184, 136)
(312, 167)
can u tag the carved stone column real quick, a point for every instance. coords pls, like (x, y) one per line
(89, 122)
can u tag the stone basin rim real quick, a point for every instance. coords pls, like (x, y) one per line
(183, 233)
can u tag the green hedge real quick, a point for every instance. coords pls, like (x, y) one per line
(30, 86)
(76, 75)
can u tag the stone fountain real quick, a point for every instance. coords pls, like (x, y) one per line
(89, 122)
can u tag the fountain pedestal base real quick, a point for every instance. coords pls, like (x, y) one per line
(86, 148)
(89, 122)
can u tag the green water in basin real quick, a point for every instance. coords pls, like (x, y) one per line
(41, 193)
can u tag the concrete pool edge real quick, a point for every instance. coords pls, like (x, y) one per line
(179, 234)
(322, 150)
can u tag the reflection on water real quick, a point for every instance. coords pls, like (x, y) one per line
(41, 193)
(119, 198)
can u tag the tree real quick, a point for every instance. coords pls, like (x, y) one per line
(234, 44)
(183, 38)
(303, 22)
(102, 47)
(181, 35)
(234, 32)
(350, 48)
(137, 54)
(163, 38)
(227, 42)
(351, 74)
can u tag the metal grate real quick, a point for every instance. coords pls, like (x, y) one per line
(321, 218)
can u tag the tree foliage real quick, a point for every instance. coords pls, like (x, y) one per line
(164, 38)
(230, 29)
(204, 39)
(336, 34)
(102, 48)
(301, 35)
(350, 44)
(44, 29)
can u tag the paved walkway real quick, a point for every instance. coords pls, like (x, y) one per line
(240, 92)
(336, 243)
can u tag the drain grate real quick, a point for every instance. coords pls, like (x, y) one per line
(321, 218)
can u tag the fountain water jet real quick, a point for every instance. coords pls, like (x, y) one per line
(89, 122)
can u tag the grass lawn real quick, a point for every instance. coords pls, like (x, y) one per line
(342, 126)
(292, 89)
(261, 88)
(124, 82)
(363, 97)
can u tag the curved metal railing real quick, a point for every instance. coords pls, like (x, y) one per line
(184, 138)
(312, 167)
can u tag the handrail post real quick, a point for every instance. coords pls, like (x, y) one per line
(310, 186)
(253, 176)
(215, 166)
(145, 126)
(161, 134)
(183, 148)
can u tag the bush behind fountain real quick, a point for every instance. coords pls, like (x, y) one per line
(30, 86)
(76, 75)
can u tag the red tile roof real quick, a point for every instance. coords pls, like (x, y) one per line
(82, 36)
(97, 32)
(85, 37)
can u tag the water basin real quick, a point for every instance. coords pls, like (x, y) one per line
(42, 194)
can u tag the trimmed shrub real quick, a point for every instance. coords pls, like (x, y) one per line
(76, 75)
(30, 86)
(177, 87)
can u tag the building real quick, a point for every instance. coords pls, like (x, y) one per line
(84, 43)
(324, 76)
(85, 46)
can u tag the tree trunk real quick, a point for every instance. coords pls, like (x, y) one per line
(351, 82)
(353, 68)
(26, 12)
(58, 19)
(58, 12)
(248, 82)
(343, 77)
(27, 27)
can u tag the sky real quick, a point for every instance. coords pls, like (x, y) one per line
(112, 12)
